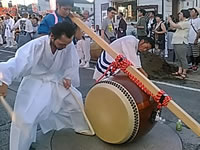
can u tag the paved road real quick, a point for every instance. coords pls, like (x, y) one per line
(185, 97)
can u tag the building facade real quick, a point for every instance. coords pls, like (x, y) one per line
(80, 5)
(129, 7)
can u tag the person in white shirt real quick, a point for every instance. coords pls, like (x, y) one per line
(9, 35)
(25, 29)
(194, 36)
(180, 42)
(130, 47)
(83, 45)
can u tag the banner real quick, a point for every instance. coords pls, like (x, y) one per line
(12, 11)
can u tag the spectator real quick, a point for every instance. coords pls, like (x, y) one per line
(40, 19)
(98, 30)
(83, 45)
(180, 41)
(9, 36)
(35, 27)
(141, 24)
(159, 33)
(122, 26)
(25, 29)
(170, 33)
(107, 30)
(1, 31)
(151, 21)
(194, 33)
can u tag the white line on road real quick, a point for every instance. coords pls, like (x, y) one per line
(177, 86)
(89, 68)
(10, 56)
(168, 84)
(7, 51)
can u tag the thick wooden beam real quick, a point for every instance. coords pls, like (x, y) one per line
(172, 106)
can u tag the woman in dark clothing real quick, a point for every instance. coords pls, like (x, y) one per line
(122, 26)
(159, 32)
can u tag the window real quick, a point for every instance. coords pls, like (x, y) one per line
(129, 9)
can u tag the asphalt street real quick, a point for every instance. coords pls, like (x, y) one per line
(187, 96)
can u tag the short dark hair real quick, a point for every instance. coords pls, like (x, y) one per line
(186, 13)
(196, 11)
(8, 14)
(121, 14)
(153, 12)
(63, 28)
(160, 16)
(25, 14)
(40, 16)
(110, 9)
(149, 40)
(65, 2)
(36, 18)
(142, 11)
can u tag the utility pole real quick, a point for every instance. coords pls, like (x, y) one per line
(94, 12)
(163, 8)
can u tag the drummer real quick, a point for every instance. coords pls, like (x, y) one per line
(130, 47)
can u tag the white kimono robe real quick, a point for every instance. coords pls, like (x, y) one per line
(9, 35)
(41, 97)
(9, 23)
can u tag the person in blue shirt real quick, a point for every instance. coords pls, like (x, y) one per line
(63, 9)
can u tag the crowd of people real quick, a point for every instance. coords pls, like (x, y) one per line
(180, 36)
(165, 33)
(18, 30)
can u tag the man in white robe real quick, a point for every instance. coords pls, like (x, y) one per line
(130, 47)
(83, 45)
(9, 35)
(49, 65)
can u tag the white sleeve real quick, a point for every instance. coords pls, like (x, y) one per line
(72, 73)
(18, 66)
(16, 25)
(198, 24)
(29, 26)
(130, 52)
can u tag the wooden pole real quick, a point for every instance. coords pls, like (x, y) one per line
(83, 111)
(8, 108)
(172, 106)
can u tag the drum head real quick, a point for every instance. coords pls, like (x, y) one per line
(112, 112)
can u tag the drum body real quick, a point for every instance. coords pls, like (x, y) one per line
(119, 110)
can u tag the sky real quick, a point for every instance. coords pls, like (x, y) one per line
(27, 2)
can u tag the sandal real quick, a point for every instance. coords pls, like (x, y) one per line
(176, 74)
(183, 75)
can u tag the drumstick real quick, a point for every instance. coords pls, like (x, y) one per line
(15, 118)
(8, 108)
(172, 106)
(82, 109)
